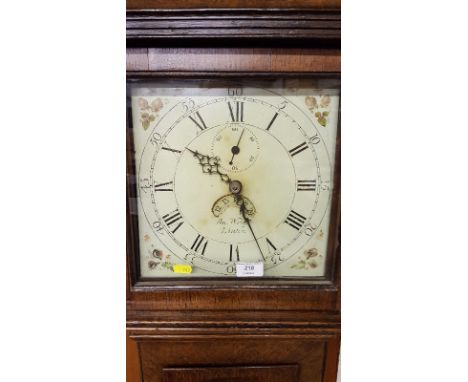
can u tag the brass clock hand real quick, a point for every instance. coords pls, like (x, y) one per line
(210, 165)
(235, 149)
(241, 204)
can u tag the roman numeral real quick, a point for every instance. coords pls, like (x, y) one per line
(307, 185)
(198, 242)
(160, 187)
(172, 218)
(298, 149)
(295, 220)
(169, 149)
(238, 116)
(269, 243)
(272, 120)
(231, 253)
(200, 122)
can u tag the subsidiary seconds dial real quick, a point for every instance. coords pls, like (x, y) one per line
(244, 147)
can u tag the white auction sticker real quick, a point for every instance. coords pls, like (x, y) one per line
(249, 269)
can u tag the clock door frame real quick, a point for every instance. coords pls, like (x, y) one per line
(163, 315)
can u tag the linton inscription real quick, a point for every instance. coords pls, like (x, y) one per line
(232, 225)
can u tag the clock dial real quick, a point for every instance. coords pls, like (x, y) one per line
(227, 176)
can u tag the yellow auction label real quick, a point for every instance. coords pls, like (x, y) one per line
(182, 268)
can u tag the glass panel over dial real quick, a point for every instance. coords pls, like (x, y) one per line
(229, 173)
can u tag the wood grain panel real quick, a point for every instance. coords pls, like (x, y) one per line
(243, 59)
(249, 299)
(233, 60)
(168, 4)
(331, 360)
(133, 361)
(159, 355)
(287, 373)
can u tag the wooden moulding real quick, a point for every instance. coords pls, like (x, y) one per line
(233, 4)
(200, 25)
(196, 325)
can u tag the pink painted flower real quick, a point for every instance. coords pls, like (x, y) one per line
(158, 254)
(156, 105)
(311, 102)
(143, 104)
(325, 101)
(311, 253)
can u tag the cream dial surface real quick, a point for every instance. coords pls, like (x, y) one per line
(278, 143)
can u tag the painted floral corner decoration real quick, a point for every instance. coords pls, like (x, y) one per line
(149, 110)
(319, 107)
(320, 235)
(160, 260)
(309, 260)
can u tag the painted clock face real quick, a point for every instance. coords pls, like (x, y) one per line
(228, 175)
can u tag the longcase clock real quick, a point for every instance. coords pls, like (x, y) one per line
(233, 194)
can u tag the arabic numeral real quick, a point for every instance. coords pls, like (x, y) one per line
(189, 257)
(230, 268)
(157, 225)
(282, 105)
(232, 92)
(310, 229)
(314, 140)
(155, 138)
(145, 184)
(276, 257)
(188, 105)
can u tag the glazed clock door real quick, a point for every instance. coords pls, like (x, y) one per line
(233, 174)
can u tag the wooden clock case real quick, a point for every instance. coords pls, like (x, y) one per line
(232, 330)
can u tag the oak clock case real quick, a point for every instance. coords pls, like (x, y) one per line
(229, 173)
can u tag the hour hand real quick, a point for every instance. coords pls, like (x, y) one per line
(210, 165)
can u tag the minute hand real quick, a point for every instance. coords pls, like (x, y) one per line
(247, 220)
